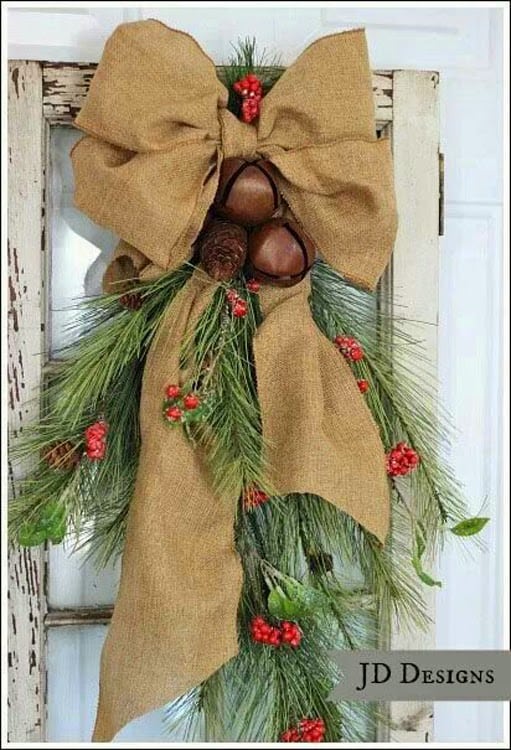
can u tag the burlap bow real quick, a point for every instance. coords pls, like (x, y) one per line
(158, 129)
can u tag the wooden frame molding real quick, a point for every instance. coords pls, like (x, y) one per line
(26, 250)
(65, 87)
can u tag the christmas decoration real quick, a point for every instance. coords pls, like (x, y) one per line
(280, 253)
(131, 301)
(173, 413)
(307, 730)
(363, 385)
(350, 348)
(173, 391)
(239, 306)
(288, 633)
(401, 460)
(95, 441)
(253, 497)
(243, 495)
(247, 193)
(250, 90)
(223, 248)
(191, 401)
(253, 286)
(62, 456)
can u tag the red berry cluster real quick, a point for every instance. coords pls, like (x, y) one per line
(307, 730)
(95, 440)
(250, 89)
(239, 306)
(174, 411)
(254, 497)
(363, 385)
(401, 460)
(288, 633)
(350, 348)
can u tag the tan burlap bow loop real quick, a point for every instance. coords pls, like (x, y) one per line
(158, 129)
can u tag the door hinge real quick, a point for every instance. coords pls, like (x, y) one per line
(441, 195)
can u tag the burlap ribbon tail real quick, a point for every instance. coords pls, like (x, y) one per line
(157, 131)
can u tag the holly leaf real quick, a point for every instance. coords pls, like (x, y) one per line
(292, 600)
(469, 526)
(422, 575)
(281, 606)
(57, 531)
(31, 535)
(53, 522)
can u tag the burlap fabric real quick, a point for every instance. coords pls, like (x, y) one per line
(158, 129)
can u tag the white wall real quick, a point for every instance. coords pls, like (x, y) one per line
(464, 44)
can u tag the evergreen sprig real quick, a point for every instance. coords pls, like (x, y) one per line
(246, 58)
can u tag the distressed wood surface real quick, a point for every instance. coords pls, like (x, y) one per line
(26, 667)
(414, 271)
(65, 87)
(79, 616)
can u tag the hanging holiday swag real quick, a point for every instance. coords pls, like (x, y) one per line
(235, 410)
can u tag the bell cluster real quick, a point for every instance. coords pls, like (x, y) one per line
(249, 226)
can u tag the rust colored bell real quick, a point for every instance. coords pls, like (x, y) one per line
(247, 192)
(280, 253)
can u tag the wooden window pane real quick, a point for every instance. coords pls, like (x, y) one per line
(79, 248)
(73, 672)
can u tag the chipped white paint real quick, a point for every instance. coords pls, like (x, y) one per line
(414, 272)
(66, 85)
(26, 342)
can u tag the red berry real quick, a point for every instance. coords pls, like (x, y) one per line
(401, 460)
(240, 308)
(307, 730)
(253, 285)
(173, 414)
(191, 401)
(254, 497)
(363, 386)
(95, 444)
(275, 637)
(96, 430)
(232, 295)
(173, 391)
(356, 353)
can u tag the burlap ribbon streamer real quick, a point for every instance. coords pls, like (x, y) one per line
(158, 129)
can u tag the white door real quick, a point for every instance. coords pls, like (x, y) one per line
(464, 45)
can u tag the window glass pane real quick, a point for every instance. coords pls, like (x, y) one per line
(79, 248)
(79, 254)
(74, 581)
(73, 673)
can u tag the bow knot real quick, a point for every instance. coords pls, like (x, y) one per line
(237, 138)
(149, 167)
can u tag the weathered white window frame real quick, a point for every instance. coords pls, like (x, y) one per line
(42, 95)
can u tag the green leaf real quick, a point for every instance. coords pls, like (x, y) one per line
(292, 600)
(281, 606)
(31, 535)
(421, 573)
(469, 526)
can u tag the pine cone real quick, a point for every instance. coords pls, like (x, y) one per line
(131, 300)
(223, 249)
(62, 456)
